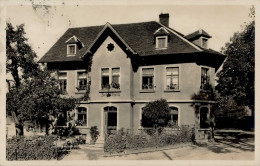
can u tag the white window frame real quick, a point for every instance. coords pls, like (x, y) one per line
(76, 78)
(165, 77)
(141, 78)
(68, 49)
(204, 106)
(165, 44)
(209, 74)
(119, 74)
(76, 115)
(179, 115)
(63, 78)
(110, 77)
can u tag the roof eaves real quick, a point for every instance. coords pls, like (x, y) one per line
(184, 39)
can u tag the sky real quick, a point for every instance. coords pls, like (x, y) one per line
(44, 25)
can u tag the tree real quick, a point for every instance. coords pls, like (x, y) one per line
(35, 94)
(155, 114)
(20, 60)
(236, 80)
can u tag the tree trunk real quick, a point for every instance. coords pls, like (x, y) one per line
(18, 125)
(15, 74)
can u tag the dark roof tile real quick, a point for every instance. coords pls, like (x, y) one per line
(139, 36)
(196, 34)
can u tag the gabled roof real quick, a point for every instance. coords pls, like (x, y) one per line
(138, 37)
(161, 31)
(196, 34)
(72, 39)
(108, 26)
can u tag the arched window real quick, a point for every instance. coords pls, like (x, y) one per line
(204, 112)
(82, 116)
(174, 116)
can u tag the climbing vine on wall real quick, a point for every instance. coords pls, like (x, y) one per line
(88, 62)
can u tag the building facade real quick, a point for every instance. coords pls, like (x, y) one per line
(125, 66)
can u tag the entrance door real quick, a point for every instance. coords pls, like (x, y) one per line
(110, 120)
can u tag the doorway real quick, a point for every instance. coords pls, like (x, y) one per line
(110, 117)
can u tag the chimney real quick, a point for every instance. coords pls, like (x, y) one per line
(164, 19)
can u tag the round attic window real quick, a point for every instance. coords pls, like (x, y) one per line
(110, 47)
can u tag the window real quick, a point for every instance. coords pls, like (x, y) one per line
(71, 49)
(115, 78)
(110, 81)
(82, 116)
(82, 80)
(204, 79)
(173, 117)
(105, 78)
(204, 111)
(161, 42)
(172, 78)
(148, 78)
(204, 42)
(62, 76)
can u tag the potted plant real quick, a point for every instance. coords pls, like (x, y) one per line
(115, 85)
(94, 133)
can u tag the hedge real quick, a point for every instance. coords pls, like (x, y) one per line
(123, 142)
(31, 148)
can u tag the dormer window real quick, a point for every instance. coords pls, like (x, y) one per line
(161, 38)
(161, 42)
(73, 44)
(199, 37)
(71, 49)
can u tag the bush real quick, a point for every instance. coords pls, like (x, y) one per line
(32, 148)
(155, 114)
(122, 141)
(94, 133)
(115, 143)
(66, 131)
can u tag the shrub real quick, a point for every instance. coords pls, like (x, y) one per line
(115, 143)
(151, 138)
(66, 131)
(155, 114)
(94, 133)
(32, 148)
